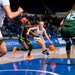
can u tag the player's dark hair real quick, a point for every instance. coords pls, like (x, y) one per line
(73, 7)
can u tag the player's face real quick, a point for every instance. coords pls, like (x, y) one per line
(41, 24)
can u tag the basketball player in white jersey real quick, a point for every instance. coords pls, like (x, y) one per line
(39, 30)
(5, 9)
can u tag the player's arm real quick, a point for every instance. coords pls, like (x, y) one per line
(46, 35)
(28, 26)
(34, 28)
(61, 23)
(11, 14)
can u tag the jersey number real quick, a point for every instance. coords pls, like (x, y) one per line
(71, 16)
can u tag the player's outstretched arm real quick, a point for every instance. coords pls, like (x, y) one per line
(46, 35)
(11, 14)
(34, 28)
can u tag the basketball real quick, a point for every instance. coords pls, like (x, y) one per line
(51, 47)
(24, 20)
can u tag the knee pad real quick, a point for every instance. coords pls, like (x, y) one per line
(30, 47)
(68, 45)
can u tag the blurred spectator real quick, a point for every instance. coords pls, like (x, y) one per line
(55, 32)
(51, 24)
(4, 33)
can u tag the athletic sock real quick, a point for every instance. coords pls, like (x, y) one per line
(68, 56)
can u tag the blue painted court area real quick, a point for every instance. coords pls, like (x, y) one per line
(39, 66)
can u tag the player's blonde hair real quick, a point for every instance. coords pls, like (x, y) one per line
(41, 22)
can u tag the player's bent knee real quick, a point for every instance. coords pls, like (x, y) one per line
(30, 46)
(5, 51)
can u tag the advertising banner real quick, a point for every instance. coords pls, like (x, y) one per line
(11, 43)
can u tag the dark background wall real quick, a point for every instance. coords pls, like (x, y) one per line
(38, 6)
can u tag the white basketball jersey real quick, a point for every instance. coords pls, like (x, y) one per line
(40, 32)
(2, 13)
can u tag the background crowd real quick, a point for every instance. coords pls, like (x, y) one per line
(12, 28)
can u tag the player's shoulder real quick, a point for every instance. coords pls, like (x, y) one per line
(70, 11)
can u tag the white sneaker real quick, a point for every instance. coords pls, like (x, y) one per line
(69, 61)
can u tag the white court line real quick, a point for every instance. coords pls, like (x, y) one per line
(21, 70)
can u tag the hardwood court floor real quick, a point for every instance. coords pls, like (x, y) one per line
(60, 52)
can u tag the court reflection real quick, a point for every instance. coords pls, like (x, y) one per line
(39, 66)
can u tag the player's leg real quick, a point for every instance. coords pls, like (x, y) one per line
(23, 43)
(68, 48)
(65, 33)
(71, 34)
(30, 47)
(68, 51)
(3, 49)
(73, 47)
(24, 48)
(44, 49)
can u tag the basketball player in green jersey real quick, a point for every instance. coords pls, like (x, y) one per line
(68, 31)
(23, 39)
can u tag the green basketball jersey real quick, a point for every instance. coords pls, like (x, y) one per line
(69, 19)
(23, 32)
